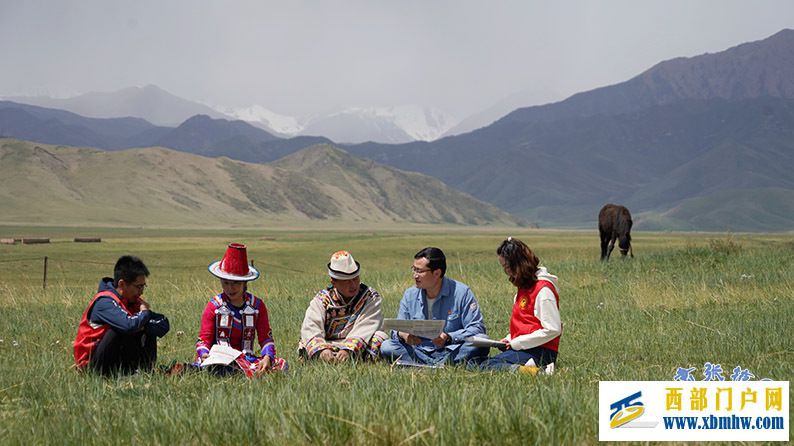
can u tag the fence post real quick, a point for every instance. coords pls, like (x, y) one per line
(45, 273)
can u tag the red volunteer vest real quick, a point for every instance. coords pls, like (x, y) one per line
(523, 321)
(89, 334)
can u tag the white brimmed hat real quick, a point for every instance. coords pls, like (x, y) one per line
(343, 267)
(234, 265)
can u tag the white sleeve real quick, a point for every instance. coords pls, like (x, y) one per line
(549, 315)
(313, 321)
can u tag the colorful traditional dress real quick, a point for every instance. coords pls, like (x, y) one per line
(238, 332)
(330, 323)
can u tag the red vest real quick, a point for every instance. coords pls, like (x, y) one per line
(523, 321)
(89, 334)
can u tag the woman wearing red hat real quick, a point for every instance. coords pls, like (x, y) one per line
(234, 317)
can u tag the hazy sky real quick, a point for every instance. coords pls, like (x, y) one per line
(303, 57)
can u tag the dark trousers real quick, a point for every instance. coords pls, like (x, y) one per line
(512, 359)
(119, 353)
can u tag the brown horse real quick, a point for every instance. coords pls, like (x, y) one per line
(614, 223)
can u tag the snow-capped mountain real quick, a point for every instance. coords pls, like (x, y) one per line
(354, 125)
(269, 120)
(383, 124)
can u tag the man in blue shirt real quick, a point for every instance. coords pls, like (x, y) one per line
(440, 298)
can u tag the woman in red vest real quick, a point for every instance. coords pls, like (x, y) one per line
(535, 325)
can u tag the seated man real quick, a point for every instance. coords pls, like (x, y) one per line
(118, 332)
(437, 297)
(343, 319)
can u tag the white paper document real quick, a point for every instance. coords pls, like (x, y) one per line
(422, 328)
(221, 354)
(484, 342)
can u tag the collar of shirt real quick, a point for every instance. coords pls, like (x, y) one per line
(442, 293)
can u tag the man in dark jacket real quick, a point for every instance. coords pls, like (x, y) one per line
(118, 332)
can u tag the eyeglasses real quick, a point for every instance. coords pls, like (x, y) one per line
(416, 270)
(140, 288)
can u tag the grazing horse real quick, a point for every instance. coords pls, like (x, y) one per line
(614, 223)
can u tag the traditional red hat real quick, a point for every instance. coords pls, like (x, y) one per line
(234, 265)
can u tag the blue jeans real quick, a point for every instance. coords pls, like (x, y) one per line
(392, 350)
(512, 359)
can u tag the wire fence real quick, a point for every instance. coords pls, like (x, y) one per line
(49, 262)
(20, 260)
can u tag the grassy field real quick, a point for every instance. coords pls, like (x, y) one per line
(686, 299)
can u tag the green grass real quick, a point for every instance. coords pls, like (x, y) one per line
(686, 299)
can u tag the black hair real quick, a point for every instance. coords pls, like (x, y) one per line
(129, 268)
(522, 263)
(435, 258)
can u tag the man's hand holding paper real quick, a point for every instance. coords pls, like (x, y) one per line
(429, 329)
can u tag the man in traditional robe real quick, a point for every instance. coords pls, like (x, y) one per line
(343, 320)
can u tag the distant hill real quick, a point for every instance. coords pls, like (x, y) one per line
(750, 70)
(238, 140)
(151, 103)
(394, 192)
(762, 209)
(537, 94)
(163, 109)
(160, 187)
(199, 134)
(686, 131)
(52, 126)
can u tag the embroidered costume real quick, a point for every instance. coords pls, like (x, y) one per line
(330, 323)
(223, 323)
(237, 324)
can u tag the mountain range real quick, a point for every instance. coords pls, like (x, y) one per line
(199, 134)
(700, 143)
(671, 143)
(351, 125)
(59, 185)
(537, 94)
(151, 103)
(354, 125)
